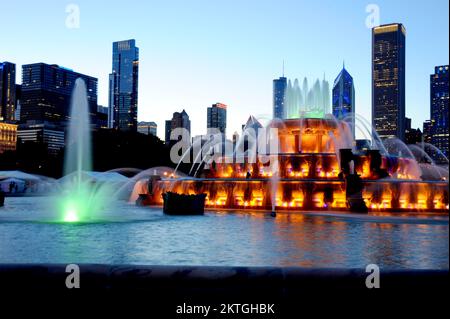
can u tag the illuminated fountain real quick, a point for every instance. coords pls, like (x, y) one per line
(79, 198)
(303, 101)
(313, 158)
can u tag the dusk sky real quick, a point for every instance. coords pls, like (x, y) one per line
(196, 53)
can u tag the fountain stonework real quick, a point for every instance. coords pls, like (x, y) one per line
(314, 159)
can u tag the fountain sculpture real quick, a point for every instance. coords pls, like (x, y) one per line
(310, 171)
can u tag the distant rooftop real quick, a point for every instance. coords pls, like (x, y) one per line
(220, 105)
(147, 123)
(391, 27)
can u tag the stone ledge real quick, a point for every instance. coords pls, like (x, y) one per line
(210, 280)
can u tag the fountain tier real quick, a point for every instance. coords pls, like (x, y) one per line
(314, 159)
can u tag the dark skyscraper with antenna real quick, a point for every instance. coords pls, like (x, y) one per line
(279, 97)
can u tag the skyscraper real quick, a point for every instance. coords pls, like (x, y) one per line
(344, 97)
(412, 136)
(47, 90)
(167, 131)
(279, 97)
(250, 133)
(49, 134)
(439, 102)
(388, 80)
(426, 137)
(217, 118)
(18, 99)
(147, 128)
(123, 86)
(7, 91)
(179, 120)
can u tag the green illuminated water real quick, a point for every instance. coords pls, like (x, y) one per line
(80, 198)
(126, 234)
(307, 102)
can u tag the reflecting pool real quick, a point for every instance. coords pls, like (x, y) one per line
(143, 235)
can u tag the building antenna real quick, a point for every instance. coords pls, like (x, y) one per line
(283, 67)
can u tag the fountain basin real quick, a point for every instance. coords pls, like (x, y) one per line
(309, 194)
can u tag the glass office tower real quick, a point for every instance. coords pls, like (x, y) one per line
(217, 117)
(388, 80)
(279, 98)
(123, 86)
(179, 120)
(439, 98)
(47, 90)
(344, 97)
(7, 91)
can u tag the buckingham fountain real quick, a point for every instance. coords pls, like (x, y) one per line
(308, 161)
(312, 165)
(316, 166)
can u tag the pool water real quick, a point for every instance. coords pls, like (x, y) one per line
(142, 235)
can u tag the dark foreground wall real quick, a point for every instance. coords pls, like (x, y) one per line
(213, 281)
(229, 292)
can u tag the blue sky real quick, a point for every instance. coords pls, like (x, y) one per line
(196, 53)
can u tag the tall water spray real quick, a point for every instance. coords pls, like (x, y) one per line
(305, 101)
(78, 150)
(80, 198)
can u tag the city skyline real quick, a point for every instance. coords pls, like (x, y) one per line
(222, 66)
(225, 157)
